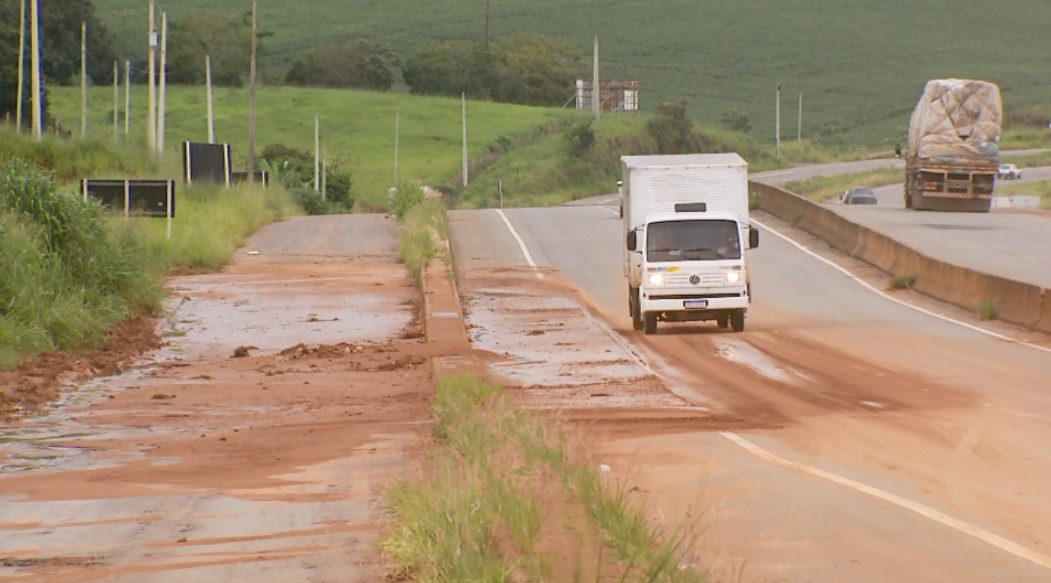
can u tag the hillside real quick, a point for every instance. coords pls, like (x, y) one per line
(860, 65)
(357, 127)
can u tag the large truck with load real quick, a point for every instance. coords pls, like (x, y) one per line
(686, 228)
(953, 149)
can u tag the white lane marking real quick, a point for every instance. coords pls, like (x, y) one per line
(925, 511)
(521, 244)
(887, 296)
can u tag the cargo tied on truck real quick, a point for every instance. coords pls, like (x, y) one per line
(686, 228)
(953, 151)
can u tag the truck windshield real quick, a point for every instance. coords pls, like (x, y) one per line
(692, 241)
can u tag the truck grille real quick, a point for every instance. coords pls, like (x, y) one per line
(704, 280)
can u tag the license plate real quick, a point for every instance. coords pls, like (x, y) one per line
(695, 304)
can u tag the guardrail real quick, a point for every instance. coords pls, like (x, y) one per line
(1016, 302)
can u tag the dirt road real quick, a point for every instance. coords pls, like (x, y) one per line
(254, 446)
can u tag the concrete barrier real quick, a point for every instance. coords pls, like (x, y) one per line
(1016, 302)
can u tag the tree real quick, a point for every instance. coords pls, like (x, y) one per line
(534, 69)
(579, 139)
(449, 68)
(736, 120)
(60, 23)
(672, 129)
(360, 64)
(199, 34)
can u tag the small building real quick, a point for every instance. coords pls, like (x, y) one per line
(615, 95)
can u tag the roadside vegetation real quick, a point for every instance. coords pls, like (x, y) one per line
(823, 188)
(357, 129)
(499, 485)
(424, 228)
(70, 271)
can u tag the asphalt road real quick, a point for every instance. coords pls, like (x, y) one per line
(1009, 243)
(876, 442)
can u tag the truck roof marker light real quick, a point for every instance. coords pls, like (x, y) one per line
(691, 207)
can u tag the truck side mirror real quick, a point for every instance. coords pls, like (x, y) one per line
(753, 237)
(632, 240)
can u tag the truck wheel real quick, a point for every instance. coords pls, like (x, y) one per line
(633, 304)
(737, 321)
(724, 321)
(650, 323)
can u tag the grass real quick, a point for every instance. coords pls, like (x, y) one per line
(1040, 189)
(822, 188)
(487, 497)
(903, 281)
(425, 228)
(987, 309)
(70, 272)
(858, 87)
(357, 128)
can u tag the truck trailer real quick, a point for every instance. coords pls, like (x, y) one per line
(686, 229)
(953, 146)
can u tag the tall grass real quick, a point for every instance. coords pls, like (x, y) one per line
(424, 230)
(68, 271)
(64, 277)
(72, 160)
(485, 502)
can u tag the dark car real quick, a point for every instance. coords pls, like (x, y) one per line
(859, 195)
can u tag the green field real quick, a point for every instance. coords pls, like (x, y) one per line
(357, 128)
(860, 65)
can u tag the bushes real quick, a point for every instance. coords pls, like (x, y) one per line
(65, 277)
(295, 170)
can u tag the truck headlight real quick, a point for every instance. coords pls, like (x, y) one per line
(733, 276)
(656, 279)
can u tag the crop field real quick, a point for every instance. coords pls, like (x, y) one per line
(859, 65)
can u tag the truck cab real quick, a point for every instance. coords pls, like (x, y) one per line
(690, 266)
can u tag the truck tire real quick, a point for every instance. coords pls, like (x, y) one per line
(737, 321)
(723, 321)
(650, 323)
(633, 305)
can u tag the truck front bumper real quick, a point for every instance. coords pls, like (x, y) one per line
(671, 306)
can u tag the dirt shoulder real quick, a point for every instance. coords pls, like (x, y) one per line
(254, 444)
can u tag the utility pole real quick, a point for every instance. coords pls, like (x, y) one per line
(324, 172)
(487, 3)
(164, 82)
(596, 105)
(317, 153)
(463, 115)
(34, 42)
(251, 98)
(127, 98)
(799, 122)
(151, 115)
(83, 80)
(777, 121)
(397, 133)
(208, 85)
(21, 66)
(116, 101)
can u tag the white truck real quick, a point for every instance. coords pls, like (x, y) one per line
(686, 228)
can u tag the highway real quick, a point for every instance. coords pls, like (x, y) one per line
(843, 436)
(1004, 242)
